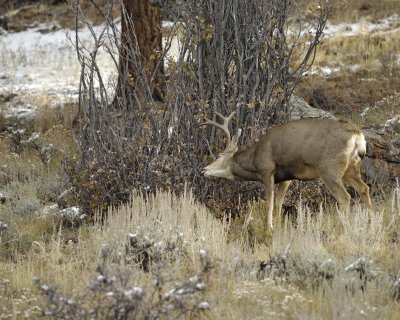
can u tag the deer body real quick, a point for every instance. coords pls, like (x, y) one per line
(306, 149)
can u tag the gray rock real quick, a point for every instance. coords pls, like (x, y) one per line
(300, 109)
(382, 161)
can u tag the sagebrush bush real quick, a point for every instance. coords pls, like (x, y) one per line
(113, 295)
(147, 247)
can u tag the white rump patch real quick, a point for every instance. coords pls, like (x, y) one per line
(361, 144)
(357, 146)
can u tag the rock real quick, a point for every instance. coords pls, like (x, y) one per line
(382, 161)
(300, 109)
(2, 198)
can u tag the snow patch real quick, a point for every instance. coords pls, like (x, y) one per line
(37, 65)
(43, 70)
(362, 27)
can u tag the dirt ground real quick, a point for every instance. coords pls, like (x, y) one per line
(25, 13)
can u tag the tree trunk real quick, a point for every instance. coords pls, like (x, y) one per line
(141, 71)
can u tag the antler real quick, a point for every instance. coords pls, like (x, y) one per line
(223, 127)
(232, 143)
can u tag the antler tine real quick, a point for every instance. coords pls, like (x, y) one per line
(223, 127)
(226, 119)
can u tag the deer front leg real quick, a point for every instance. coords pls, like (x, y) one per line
(268, 180)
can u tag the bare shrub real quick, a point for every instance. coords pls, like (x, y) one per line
(233, 55)
(147, 247)
(395, 287)
(365, 271)
(111, 295)
(303, 273)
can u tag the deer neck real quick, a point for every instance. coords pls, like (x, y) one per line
(242, 165)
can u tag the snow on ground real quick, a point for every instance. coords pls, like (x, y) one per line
(41, 67)
(363, 27)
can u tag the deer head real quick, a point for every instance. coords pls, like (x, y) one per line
(221, 168)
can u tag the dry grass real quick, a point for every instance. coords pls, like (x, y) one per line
(26, 153)
(353, 72)
(31, 178)
(367, 72)
(354, 10)
(364, 50)
(315, 241)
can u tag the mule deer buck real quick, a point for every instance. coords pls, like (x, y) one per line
(306, 149)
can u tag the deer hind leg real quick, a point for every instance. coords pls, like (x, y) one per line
(353, 177)
(280, 196)
(336, 187)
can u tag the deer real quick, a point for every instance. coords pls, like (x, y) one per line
(307, 149)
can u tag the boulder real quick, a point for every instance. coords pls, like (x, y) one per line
(382, 161)
(300, 109)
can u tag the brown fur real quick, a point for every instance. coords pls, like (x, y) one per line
(305, 149)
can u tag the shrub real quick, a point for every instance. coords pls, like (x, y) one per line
(131, 141)
(111, 295)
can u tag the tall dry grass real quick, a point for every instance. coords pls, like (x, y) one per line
(335, 265)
